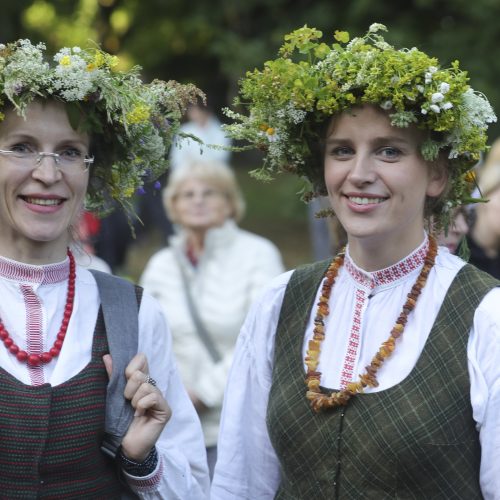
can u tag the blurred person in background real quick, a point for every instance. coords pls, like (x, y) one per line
(87, 229)
(202, 123)
(457, 231)
(484, 235)
(206, 280)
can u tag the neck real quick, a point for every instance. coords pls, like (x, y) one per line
(37, 255)
(195, 240)
(486, 239)
(375, 254)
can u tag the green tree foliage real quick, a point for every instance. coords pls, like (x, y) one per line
(212, 43)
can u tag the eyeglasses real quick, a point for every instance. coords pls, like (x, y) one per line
(69, 160)
(206, 194)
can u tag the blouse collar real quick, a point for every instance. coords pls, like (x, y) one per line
(390, 275)
(29, 273)
(215, 238)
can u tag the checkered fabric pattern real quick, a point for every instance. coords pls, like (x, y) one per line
(415, 440)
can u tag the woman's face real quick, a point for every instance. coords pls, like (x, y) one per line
(377, 181)
(199, 205)
(459, 227)
(39, 202)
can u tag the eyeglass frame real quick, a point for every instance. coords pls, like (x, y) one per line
(40, 155)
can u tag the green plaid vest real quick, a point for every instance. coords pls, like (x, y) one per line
(50, 437)
(416, 440)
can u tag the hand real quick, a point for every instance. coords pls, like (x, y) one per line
(152, 411)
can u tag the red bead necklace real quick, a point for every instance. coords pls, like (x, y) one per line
(53, 352)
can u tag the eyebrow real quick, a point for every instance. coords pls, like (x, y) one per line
(392, 139)
(26, 136)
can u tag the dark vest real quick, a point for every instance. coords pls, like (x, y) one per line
(416, 440)
(50, 437)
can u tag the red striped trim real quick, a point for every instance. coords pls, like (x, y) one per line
(34, 336)
(26, 273)
(353, 343)
(145, 485)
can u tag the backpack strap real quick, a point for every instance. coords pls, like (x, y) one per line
(120, 302)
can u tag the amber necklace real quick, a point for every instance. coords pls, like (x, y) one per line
(320, 401)
(53, 352)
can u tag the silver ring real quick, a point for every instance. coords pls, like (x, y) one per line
(150, 380)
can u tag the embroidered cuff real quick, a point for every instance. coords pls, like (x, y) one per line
(139, 469)
(146, 484)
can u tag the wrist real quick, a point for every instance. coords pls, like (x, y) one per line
(138, 468)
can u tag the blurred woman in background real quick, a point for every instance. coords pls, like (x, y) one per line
(484, 236)
(457, 231)
(206, 280)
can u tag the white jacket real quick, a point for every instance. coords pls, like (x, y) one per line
(233, 269)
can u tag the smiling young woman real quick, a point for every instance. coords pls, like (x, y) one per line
(396, 339)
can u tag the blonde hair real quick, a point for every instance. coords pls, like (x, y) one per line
(217, 174)
(489, 174)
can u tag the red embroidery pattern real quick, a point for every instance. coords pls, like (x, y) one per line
(145, 485)
(24, 274)
(367, 282)
(390, 274)
(17, 271)
(353, 344)
(34, 337)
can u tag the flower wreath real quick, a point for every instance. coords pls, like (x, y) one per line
(290, 99)
(131, 123)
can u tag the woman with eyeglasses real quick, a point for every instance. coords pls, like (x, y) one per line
(72, 133)
(375, 374)
(206, 280)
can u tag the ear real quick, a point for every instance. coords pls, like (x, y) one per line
(438, 180)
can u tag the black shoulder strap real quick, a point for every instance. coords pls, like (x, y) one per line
(120, 306)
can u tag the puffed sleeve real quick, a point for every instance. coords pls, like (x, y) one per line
(247, 466)
(483, 354)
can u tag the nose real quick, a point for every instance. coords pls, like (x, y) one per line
(46, 169)
(361, 169)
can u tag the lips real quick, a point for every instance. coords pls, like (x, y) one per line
(45, 202)
(365, 200)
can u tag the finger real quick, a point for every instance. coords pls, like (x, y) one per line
(136, 380)
(142, 391)
(138, 363)
(154, 403)
(108, 364)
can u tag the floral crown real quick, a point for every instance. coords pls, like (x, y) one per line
(131, 123)
(289, 101)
